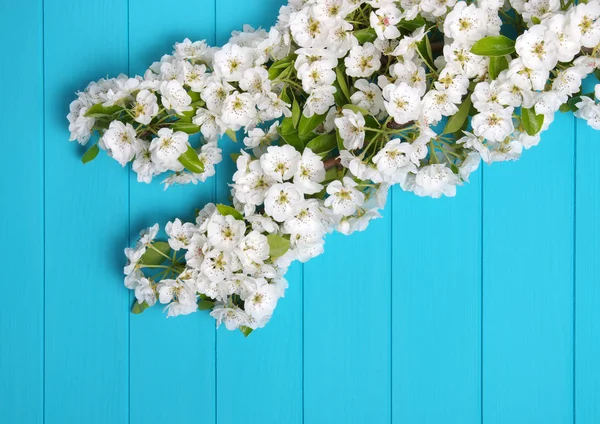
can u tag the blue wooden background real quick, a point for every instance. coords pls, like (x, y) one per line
(483, 308)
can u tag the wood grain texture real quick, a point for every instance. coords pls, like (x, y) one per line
(22, 213)
(478, 309)
(436, 295)
(528, 284)
(587, 274)
(172, 375)
(86, 334)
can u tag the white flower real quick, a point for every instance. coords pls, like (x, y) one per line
(272, 107)
(307, 30)
(175, 97)
(283, 201)
(569, 38)
(537, 48)
(210, 124)
(239, 110)
(142, 164)
(362, 61)
(316, 74)
(319, 101)
(494, 124)
(384, 21)
(402, 102)
(435, 180)
(351, 127)
(120, 141)
(167, 148)
(311, 172)
(169, 290)
(258, 136)
(280, 162)
(231, 61)
(225, 232)
(190, 50)
(232, 317)
(217, 265)
(344, 198)
(195, 251)
(145, 107)
(308, 220)
(254, 248)
(144, 292)
(368, 96)
(215, 93)
(466, 23)
(180, 234)
(394, 161)
(585, 18)
(262, 302)
(255, 81)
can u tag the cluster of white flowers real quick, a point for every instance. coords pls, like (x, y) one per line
(338, 101)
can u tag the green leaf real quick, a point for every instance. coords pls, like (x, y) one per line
(456, 121)
(339, 140)
(412, 25)
(99, 111)
(292, 139)
(322, 144)
(424, 49)
(232, 135)
(205, 305)
(186, 127)
(307, 125)
(597, 74)
(277, 245)
(341, 80)
(152, 257)
(536, 20)
(245, 330)
(138, 308)
(296, 113)
(186, 116)
(90, 154)
(495, 45)
(531, 122)
(191, 161)
(367, 35)
(497, 65)
(234, 157)
(228, 210)
(357, 109)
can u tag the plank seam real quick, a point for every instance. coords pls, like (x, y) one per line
(215, 188)
(391, 304)
(574, 268)
(43, 4)
(129, 297)
(481, 298)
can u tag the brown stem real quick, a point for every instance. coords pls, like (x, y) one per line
(332, 163)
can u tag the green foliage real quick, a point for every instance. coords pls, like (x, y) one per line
(90, 154)
(495, 45)
(322, 144)
(308, 125)
(100, 111)
(497, 65)
(152, 257)
(341, 80)
(228, 210)
(191, 161)
(245, 330)
(205, 305)
(291, 137)
(456, 121)
(186, 127)
(531, 122)
(138, 308)
(278, 245)
(367, 35)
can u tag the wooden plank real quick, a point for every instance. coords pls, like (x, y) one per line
(270, 359)
(587, 271)
(172, 361)
(528, 284)
(347, 328)
(86, 225)
(436, 307)
(22, 213)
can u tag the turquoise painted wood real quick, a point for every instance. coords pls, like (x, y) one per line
(478, 309)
